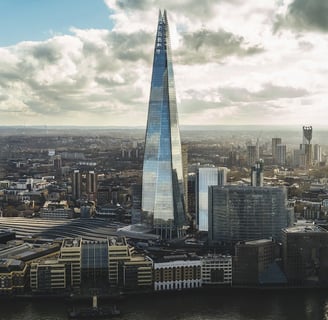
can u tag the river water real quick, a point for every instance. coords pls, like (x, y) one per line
(226, 305)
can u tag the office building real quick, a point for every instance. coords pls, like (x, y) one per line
(254, 263)
(91, 185)
(307, 146)
(245, 213)
(76, 184)
(281, 154)
(251, 155)
(257, 174)
(317, 155)
(305, 254)
(206, 176)
(216, 270)
(162, 184)
(275, 143)
(13, 275)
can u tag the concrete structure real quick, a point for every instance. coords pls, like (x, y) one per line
(216, 270)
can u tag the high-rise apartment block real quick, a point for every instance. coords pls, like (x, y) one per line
(162, 185)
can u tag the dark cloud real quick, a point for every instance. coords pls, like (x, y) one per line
(305, 15)
(46, 52)
(267, 93)
(209, 46)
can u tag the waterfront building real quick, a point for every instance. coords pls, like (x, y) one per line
(245, 213)
(254, 263)
(305, 254)
(138, 273)
(206, 176)
(13, 275)
(257, 174)
(177, 274)
(162, 184)
(70, 254)
(216, 270)
(118, 252)
(48, 276)
(94, 264)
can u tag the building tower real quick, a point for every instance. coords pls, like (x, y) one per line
(275, 143)
(307, 137)
(251, 155)
(91, 186)
(257, 174)
(281, 154)
(76, 185)
(162, 184)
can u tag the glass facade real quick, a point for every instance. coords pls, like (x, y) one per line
(162, 186)
(246, 213)
(205, 177)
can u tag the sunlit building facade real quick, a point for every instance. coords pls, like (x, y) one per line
(162, 186)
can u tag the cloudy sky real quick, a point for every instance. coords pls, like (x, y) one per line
(88, 62)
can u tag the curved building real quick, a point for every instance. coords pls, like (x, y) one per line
(162, 185)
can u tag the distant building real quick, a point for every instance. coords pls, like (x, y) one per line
(275, 143)
(317, 154)
(246, 213)
(257, 174)
(251, 155)
(281, 154)
(91, 185)
(76, 185)
(305, 254)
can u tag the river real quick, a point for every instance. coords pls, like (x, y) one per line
(226, 305)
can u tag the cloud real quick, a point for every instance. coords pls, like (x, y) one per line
(305, 15)
(205, 46)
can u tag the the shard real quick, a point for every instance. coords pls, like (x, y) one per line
(162, 186)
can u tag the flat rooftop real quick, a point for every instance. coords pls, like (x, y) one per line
(304, 229)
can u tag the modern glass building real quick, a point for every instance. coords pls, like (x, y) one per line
(162, 185)
(206, 176)
(246, 213)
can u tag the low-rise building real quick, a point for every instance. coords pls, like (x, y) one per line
(216, 270)
(177, 274)
(13, 275)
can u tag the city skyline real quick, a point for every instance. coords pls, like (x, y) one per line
(235, 63)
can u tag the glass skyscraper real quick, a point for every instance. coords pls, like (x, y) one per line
(162, 185)
(244, 213)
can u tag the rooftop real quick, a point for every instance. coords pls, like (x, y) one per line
(303, 229)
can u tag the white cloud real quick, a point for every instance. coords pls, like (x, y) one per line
(233, 62)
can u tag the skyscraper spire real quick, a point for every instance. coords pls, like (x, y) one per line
(162, 189)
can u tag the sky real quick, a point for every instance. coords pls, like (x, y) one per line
(236, 62)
